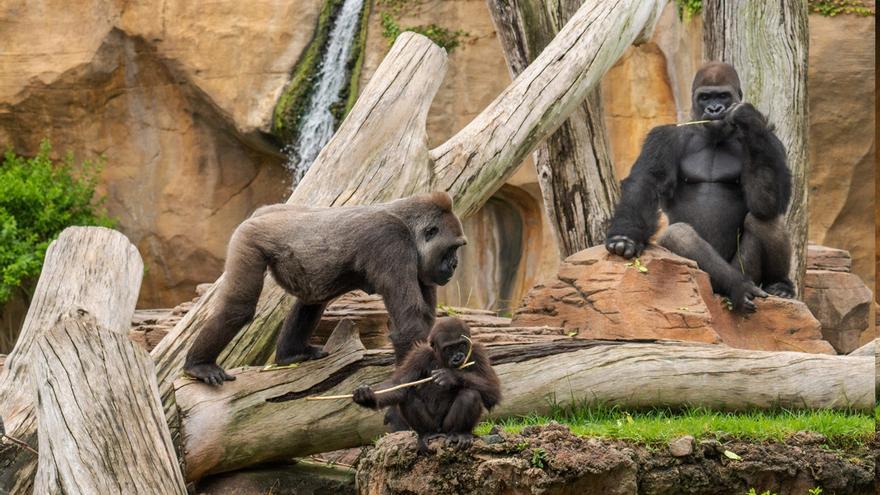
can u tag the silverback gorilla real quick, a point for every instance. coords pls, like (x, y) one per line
(400, 250)
(725, 187)
(452, 404)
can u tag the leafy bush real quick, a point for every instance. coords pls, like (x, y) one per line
(38, 199)
(688, 9)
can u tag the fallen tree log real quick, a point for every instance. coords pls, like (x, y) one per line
(383, 144)
(262, 417)
(90, 268)
(101, 424)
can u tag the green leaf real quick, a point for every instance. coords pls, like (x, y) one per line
(732, 455)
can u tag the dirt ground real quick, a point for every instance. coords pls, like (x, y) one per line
(550, 460)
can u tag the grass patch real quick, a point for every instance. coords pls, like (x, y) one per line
(842, 429)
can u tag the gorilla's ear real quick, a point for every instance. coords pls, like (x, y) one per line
(442, 200)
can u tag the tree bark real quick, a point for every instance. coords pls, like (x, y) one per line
(264, 416)
(574, 165)
(380, 151)
(101, 424)
(87, 268)
(767, 42)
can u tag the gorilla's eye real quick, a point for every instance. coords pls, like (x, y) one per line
(430, 232)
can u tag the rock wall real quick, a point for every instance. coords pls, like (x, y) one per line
(175, 95)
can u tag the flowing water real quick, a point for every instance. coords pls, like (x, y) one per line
(318, 124)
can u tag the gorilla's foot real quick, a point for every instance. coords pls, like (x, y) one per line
(460, 441)
(423, 447)
(309, 353)
(210, 373)
(742, 294)
(784, 289)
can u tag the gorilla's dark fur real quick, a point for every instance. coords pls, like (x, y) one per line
(452, 404)
(401, 250)
(725, 187)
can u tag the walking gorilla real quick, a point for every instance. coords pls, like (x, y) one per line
(725, 187)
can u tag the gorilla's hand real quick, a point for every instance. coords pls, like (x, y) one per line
(622, 245)
(742, 294)
(445, 378)
(364, 396)
(746, 116)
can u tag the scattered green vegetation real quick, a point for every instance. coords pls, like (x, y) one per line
(391, 11)
(842, 429)
(816, 490)
(831, 8)
(539, 457)
(39, 197)
(688, 9)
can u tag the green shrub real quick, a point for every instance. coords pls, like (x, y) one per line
(38, 199)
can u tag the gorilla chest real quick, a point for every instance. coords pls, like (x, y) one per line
(711, 164)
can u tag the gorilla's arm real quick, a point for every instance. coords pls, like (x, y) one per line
(653, 176)
(766, 178)
(482, 378)
(417, 365)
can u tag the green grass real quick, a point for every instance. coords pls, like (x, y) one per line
(842, 429)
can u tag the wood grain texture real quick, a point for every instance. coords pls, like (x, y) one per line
(767, 43)
(87, 268)
(574, 165)
(102, 428)
(264, 416)
(380, 150)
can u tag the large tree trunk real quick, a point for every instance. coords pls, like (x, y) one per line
(87, 268)
(767, 43)
(380, 150)
(264, 416)
(102, 429)
(574, 166)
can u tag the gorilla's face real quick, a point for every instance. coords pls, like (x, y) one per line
(716, 89)
(440, 241)
(712, 102)
(450, 341)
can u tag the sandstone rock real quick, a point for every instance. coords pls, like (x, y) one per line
(828, 258)
(841, 303)
(681, 446)
(600, 295)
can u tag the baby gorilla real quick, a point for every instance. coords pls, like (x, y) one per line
(452, 404)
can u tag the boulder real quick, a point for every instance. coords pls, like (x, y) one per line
(302, 478)
(663, 296)
(842, 304)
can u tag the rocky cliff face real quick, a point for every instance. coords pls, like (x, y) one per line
(179, 95)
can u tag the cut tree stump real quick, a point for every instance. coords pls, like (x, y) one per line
(102, 428)
(87, 268)
(380, 151)
(261, 417)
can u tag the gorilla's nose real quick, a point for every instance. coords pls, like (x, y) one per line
(457, 358)
(715, 110)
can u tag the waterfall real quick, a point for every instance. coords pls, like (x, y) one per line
(318, 123)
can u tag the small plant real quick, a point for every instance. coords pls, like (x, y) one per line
(637, 264)
(688, 9)
(521, 446)
(816, 490)
(752, 491)
(831, 8)
(449, 310)
(539, 457)
(391, 28)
